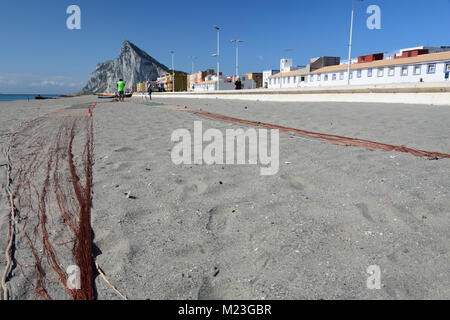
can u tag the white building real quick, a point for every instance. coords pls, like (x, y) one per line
(191, 82)
(285, 65)
(289, 76)
(285, 80)
(266, 75)
(210, 84)
(433, 67)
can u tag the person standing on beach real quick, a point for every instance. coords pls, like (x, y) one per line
(149, 89)
(238, 84)
(121, 90)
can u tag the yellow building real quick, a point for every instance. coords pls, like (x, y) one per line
(257, 77)
(180, 82)
(141, 87)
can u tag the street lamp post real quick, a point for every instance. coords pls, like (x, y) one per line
(192, 58)
(237, 55)
(218, 56)
(173, 71)
(350, 42)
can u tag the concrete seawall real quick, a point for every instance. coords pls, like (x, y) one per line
(423, 93)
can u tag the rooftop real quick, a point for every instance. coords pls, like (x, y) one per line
(439, 56)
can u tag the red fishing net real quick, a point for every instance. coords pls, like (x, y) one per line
(51, 160)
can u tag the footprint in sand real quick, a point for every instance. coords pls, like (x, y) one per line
(124, 149)
(293, 181)
(218, 219)
(364, 211)
(223, 291)
(191, 189)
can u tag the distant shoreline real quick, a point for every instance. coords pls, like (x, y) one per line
(21, 97)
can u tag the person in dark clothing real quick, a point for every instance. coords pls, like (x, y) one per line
(238, 84)
(149, 89)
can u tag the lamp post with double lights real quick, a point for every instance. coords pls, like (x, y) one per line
(193, 58)
(237, 55)
(218, 56)
(350, 42)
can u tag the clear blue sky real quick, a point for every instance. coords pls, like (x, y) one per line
(40, 55)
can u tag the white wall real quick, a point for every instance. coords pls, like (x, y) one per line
(428, 98)
(286, 82)
(224, 85)
(267, 74)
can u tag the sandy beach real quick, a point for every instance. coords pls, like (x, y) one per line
(226, 232)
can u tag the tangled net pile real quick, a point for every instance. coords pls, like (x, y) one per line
(51, 161)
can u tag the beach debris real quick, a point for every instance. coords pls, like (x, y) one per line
(220, 182)
(287, 162)
(129, 196)
(199, 109)
(100, 271)
(388, 198)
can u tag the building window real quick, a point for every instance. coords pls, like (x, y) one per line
(447, 67)
(326, 78)
(311, 78)
(380, 72)
(334, 76)
(431, 68)
(318, 77)
(341, 76)
(363, 59)
(359, 73)
(351, 75)
(417, 69)
(404, 71)
(391, 71)
(369, 72)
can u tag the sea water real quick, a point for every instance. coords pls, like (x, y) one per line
(14, 97)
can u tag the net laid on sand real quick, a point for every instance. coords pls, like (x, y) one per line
(51, 169)
(334, 139)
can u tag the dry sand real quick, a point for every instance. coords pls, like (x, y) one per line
(226, 232)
